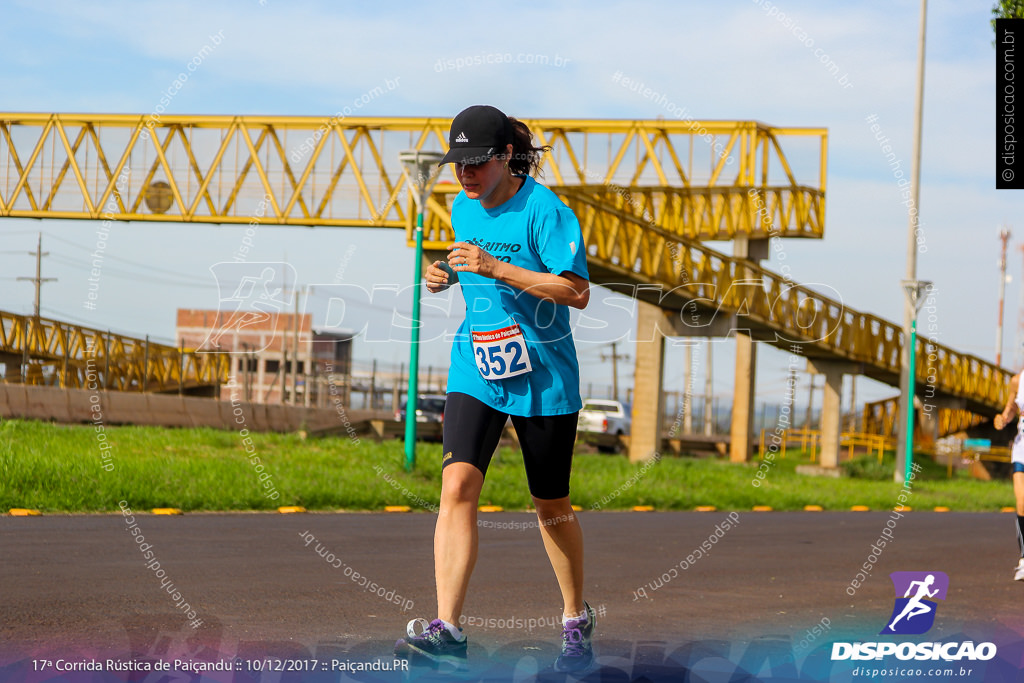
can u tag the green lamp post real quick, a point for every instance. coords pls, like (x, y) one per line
(421, 172)
(913, 289)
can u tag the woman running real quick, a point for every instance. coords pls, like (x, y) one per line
(520, 260)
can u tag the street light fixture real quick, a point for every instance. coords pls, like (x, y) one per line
(421, 171)
(914, 290)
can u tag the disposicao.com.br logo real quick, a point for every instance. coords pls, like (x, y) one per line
(913, 614)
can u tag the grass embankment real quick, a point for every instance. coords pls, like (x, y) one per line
(59, 468)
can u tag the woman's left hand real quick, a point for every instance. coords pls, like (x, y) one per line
(469, 258)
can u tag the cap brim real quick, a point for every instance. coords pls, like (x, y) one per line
(467, 155)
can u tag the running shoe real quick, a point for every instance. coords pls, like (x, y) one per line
(1019, 574)
(577, 650)
(434, 642)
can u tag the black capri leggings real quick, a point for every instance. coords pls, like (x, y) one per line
(472, 430)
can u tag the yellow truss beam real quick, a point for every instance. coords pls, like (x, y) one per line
(66, 355)
(309, 171)
(700, 213)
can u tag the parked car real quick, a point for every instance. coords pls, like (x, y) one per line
(429, 408)
(604, 416)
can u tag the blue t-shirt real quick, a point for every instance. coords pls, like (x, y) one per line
(536, 231)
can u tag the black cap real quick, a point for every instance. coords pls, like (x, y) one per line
(477, 133)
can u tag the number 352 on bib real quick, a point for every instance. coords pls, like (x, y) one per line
(501, 353)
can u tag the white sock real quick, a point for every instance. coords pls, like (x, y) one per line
(582, 616)
(456, 632)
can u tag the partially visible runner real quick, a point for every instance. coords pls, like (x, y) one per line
(520, 260)
(1014, 407)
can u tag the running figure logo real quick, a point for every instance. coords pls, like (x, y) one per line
(914, 613)
(251, 299)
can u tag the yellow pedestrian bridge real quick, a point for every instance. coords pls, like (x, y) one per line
(647, 194)
(41, 351)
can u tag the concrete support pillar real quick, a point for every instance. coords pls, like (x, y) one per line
(832, 407)
(928, 409)
(741, 432)
(928, 417)
(12, 368)
(645, 434)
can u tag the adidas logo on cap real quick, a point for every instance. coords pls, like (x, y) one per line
(462, 138)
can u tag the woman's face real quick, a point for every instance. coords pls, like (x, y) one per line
(482, 181)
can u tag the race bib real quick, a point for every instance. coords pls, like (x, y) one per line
(501, 353)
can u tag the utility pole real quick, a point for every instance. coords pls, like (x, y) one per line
(295, 350)
(396, 388)
(708, 418)
(791, 396)
(373, 386)
(688, 392)
(1004, 237)
(853, 403)
(38, 279)
(245, 369)
(284, 368)
(810, 403)
(615, 368)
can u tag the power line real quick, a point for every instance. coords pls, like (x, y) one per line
(428, 312)
(21, 232)
(147, 266)
(128, 275)
(91, 324)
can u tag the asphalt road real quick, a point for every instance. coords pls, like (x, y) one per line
(77, 588)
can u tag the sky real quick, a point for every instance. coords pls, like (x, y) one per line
(730, 60)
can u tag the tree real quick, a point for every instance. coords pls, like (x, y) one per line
(1006, 9)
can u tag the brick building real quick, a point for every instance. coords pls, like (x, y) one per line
(265, 364)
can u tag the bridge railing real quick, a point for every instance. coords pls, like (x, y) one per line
(881, 417)
(810, 440)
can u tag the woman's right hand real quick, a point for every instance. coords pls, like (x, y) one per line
(1000, 421)
(437, 277)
